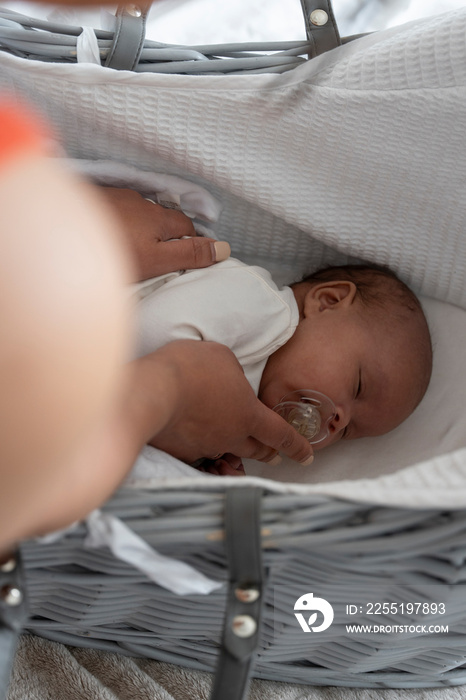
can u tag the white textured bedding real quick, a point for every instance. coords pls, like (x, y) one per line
(358, 153)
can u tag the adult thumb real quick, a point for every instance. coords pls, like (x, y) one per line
(191, 253)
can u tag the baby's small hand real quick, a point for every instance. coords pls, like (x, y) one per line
(226, 465)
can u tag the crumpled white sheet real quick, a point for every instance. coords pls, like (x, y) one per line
(105, 530)
(195, 201)
(87, 48)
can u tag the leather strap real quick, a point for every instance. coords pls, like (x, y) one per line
(13, 614)
(128, 40)
(324, 35)
(244, 602)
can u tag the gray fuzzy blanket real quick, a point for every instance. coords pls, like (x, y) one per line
(45, 670)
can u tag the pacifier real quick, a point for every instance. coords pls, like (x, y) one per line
(309, 412)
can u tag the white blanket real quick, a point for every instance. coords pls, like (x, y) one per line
(360, 152)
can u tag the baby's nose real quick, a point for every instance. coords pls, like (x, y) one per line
(339, 421)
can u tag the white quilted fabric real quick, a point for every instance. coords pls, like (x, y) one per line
(359, 153)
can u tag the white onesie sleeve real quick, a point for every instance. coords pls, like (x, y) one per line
(231, 303)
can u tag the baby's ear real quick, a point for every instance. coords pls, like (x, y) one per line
(331, 295)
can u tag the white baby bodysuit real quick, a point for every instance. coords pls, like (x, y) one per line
(232, 303)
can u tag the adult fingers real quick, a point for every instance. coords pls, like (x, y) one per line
(178, 225)
(189, 253)
(172, 223)
(274, 432)
(254, 449)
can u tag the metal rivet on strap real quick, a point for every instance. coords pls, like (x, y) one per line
(247, 595)
(133, 10)
(8, 565)
(319, 18)
(11, 596)
(244, 626)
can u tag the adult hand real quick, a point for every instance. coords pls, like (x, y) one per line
(65, 345)
(209, 407)
(149, 230)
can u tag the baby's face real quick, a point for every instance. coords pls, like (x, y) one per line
(368, 368)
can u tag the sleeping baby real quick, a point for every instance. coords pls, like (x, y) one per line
(357, 334)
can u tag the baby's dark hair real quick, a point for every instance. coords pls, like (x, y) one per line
(373, 284)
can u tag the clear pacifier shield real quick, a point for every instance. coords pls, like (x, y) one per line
(309, 412)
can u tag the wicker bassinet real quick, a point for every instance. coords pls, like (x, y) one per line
(357, 154)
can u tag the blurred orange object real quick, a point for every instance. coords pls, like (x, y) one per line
(22, 131)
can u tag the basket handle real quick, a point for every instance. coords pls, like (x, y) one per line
(321, 26)
(130, 32)
(128, 40)
(245, 593)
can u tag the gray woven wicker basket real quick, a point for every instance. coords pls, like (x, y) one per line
(349, 552)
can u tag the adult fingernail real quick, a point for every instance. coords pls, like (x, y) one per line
(221, 251)
(275, 461)
(308, 461)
